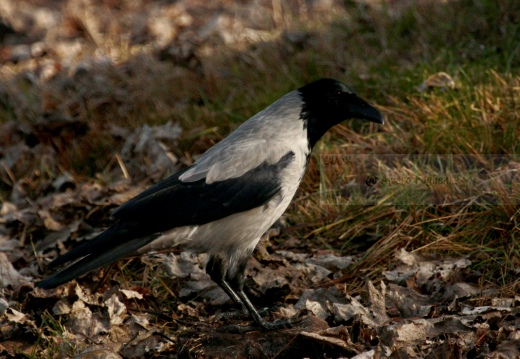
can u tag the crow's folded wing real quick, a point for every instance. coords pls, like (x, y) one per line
(173, 203)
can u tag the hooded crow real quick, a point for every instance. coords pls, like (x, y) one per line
(230, 196)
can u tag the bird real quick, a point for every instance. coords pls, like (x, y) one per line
(229, 197)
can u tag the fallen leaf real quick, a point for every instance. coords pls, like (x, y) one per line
(131, 294)
(10, 276)
(116, 310)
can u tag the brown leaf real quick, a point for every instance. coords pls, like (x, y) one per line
(9, 276)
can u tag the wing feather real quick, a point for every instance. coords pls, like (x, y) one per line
(174, 203)
(228, 162)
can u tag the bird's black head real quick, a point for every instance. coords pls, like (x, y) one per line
(328, 102)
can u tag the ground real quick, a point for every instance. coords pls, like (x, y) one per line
(402, 241)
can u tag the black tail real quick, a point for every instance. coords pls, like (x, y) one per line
(116, 242)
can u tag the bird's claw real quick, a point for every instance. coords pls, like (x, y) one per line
(265, 325)
(277, 324)
(242, 314)
(236, 314)
(237, 329)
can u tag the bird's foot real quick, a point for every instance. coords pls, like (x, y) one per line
(277, 324)
(262, 325)
(235, 314)
(243, 314)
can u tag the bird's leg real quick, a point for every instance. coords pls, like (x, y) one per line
(233, 284)
(216, 269)
(278, 324)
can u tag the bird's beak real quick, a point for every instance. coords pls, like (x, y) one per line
(367, 112)
(359, 108)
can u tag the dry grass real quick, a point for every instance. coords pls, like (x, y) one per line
(474, 131)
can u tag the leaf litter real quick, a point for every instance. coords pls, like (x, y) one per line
(424, 307)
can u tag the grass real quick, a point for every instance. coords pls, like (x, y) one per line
(51, 335)
(384, 52)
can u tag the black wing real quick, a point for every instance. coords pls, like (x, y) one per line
(172, 203)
